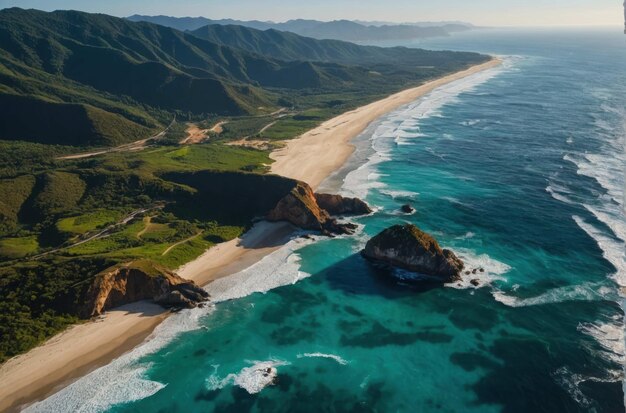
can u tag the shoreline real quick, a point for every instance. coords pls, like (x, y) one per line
(82, 348)
(299, 158)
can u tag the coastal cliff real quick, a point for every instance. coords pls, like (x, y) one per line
(140, 280)
(307, 210)
(408, 247)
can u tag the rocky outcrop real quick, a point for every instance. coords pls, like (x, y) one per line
(408, 247)
(300, 207)
(407, 209)
(140, 280)
(339, 205)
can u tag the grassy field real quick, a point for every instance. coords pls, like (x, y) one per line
(90, 221)
(11, 248)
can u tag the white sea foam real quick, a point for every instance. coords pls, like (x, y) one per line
(123, 379)
(324, 355)
(400, 194)
(471, 122)
(282, 267)
(402, 125)
(613, 250)
(253, 379)
(610, 335)
(610, 215)
(570, 382)
(582, 292)
(559, 193)
(606, 169)
(493, 269)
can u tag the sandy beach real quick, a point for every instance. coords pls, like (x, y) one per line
(321, 151)
(85, 347)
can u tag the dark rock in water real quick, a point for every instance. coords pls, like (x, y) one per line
(338, 205)
(140, 280)
(482, 270)
(474, 271)
(174, 299)
(467, 272)
(407, 209)
(475, 282)
(300, 207)
(408, 247)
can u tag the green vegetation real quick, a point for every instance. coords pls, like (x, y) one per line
(90, 221)
(74, 78)
(338, 29)
(57, 192)
(41, 298)
(18, 247)
(13, 194)
(76, 82)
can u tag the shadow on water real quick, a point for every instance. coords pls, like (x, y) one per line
(356, 275)
(545, 367)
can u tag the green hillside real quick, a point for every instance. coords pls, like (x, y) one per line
(38, 120)
(65, 64)
(72, 81)
(290, 46)
(121, 81)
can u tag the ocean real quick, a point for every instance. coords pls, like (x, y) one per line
(520, 171)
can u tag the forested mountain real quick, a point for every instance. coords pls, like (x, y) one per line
(337, 29)
(71, 80)
(100, 75)
(290, 46)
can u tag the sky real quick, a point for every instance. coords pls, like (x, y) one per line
(480, 12)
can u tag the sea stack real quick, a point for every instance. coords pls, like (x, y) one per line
(409, 248)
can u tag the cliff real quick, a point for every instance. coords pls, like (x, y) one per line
(306, 210)
(140, 280)
(408, 247)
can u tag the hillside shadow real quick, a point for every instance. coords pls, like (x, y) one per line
(265, 234)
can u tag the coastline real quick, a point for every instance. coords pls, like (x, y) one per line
(83, 348)
(299, 158)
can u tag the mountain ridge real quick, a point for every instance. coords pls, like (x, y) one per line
(346, 30)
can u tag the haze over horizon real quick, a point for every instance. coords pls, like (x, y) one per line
(480, 12)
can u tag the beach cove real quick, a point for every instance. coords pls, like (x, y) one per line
(83, 348)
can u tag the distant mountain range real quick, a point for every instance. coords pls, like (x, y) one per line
(75, 78)
(339, 29)
(289, 46)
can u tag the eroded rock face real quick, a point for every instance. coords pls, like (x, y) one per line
(408, 247)
(339, 205)
(140, 280)
(301, 208)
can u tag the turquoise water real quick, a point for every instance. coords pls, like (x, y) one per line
(520, 170)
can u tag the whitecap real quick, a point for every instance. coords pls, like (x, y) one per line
(253, 379)
(281, 267)
(397, 194)
(122, 380)
(493, 270)
(610, 336)
(613, 250)
(324, 355)
(581, 292)
(402, 125)
(558, 192)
